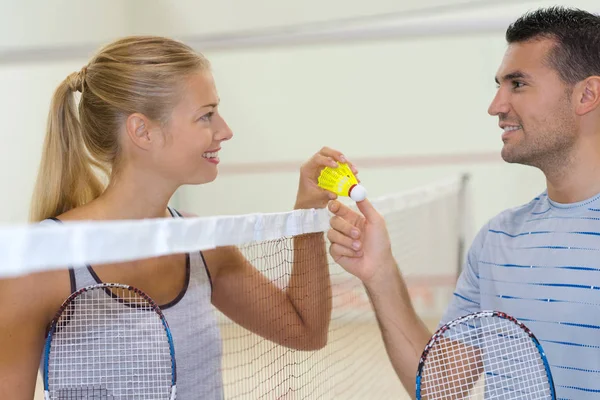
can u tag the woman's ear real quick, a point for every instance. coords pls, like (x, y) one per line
(138, 128)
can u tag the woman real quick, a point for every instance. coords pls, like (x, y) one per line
(148, 117)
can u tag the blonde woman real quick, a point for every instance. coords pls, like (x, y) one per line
(148, 117)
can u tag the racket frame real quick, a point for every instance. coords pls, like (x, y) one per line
(482, 314)
(107, 286)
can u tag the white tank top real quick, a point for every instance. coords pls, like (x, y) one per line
(194, 328)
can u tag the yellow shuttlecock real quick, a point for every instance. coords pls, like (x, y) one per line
(341, 181)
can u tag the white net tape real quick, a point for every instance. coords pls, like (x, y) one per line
(28, 248)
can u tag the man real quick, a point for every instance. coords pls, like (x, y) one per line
(539, 262)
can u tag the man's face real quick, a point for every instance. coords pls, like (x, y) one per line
(533, 106)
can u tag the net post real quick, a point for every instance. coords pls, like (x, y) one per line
(463, 220)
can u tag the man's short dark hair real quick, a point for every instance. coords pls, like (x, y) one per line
(576, 55)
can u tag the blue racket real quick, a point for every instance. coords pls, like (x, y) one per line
(109, 341)
(484, 355)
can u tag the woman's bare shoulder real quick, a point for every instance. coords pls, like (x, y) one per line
(36, 295)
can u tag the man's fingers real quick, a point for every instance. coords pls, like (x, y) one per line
(338, 252)
(367, 209)
(343, 211)
(344, 227)
(343, 240)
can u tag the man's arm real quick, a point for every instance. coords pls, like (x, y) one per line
(403, 332)
(360, 244)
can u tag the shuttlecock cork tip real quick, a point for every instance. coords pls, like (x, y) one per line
(358, 193)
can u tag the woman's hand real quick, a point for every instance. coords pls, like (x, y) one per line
(310, 195)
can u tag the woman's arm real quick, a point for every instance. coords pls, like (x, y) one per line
(297, 316)
(27, 304)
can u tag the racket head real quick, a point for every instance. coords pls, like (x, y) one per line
(109, 341)
(484, 355)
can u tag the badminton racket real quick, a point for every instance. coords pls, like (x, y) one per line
(484, 355)
(109, 341)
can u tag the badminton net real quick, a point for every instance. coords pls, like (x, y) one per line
(427, 226)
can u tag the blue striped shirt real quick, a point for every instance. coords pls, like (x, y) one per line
(540, 263)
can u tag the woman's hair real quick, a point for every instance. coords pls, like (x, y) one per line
(142, 74)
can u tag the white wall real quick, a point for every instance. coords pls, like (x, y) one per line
(36, 23)
(394, 98)
(385, 99)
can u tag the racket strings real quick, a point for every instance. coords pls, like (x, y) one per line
(487, 358)
(109, 345)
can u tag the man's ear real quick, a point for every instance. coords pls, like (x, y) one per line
(588, 95)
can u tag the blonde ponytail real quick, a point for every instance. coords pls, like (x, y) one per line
(65, 179)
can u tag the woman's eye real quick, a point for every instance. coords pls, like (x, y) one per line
(207, 117)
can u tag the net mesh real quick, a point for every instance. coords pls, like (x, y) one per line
(484, 357)
(427, 230)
